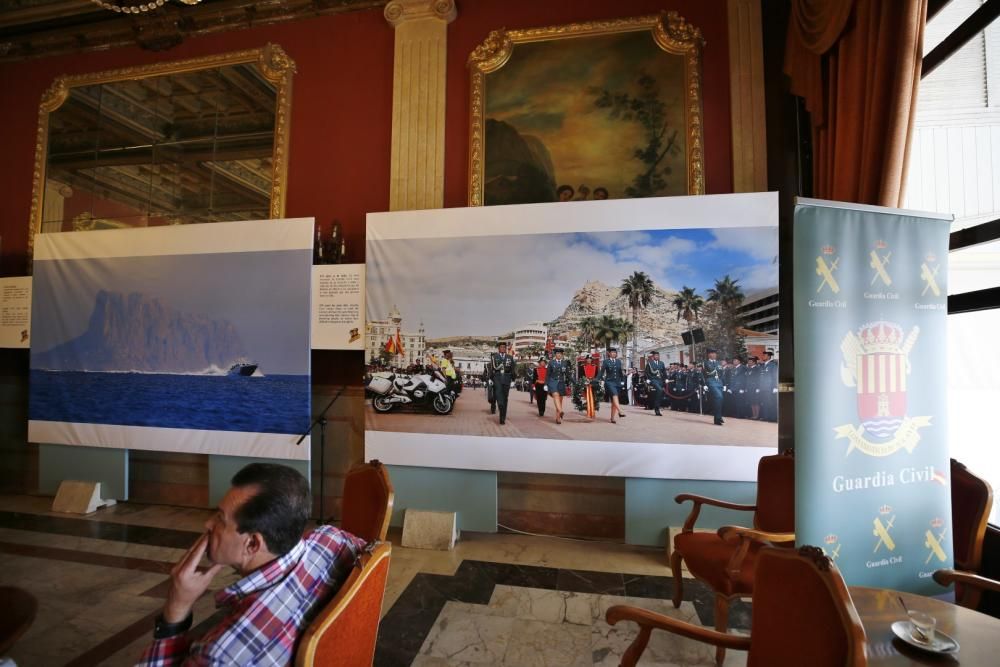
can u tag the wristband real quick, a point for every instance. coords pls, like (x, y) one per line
(163, 630)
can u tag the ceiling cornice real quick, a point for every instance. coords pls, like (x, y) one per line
(60, 27)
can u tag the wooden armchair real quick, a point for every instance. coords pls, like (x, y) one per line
(17, 613)
(345, 632)
(725, 560)
(368, 499)
(802, 614)
(971, 502)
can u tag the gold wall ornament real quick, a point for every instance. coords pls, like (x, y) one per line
(671, 33)
(270, 63)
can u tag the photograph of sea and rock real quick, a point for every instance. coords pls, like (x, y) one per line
(216, 341)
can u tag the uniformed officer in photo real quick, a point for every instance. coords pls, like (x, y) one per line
(556, 381)
(612, 374)
(501, 369)
(712, 371)
(656, 373)
(769, 388)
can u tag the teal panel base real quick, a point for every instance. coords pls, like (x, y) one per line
(470, 493)
(222, 468)
(650, 509)
(89, 464)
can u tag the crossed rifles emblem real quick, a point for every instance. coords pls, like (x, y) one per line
(879, 263)
(825, 271)
(929, 276)
(882, 533)
(934, 543)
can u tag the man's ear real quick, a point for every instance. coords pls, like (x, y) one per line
(256, 544)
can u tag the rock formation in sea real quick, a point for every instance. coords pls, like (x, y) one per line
(137, 332)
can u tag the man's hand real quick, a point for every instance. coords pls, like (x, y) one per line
(187, 583)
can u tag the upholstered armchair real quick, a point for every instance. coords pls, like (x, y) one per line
(971, 502)
(368, 499)
(345, 632)
(802, 614)
(725, 560)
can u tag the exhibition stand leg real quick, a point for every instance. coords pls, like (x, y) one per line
(321, 421)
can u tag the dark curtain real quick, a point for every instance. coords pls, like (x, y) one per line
(857, 64)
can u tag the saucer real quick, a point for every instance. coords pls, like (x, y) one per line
(942, 643)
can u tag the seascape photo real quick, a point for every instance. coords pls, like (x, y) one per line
(207, 342)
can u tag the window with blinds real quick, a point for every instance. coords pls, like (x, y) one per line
(961, 81)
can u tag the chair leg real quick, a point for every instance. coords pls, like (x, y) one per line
(675, 565)
(721, 624)
(635, 649)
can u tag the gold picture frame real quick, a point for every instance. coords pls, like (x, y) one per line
(670, 32)
(272, 64)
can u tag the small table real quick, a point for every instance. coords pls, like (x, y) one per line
(978, 635)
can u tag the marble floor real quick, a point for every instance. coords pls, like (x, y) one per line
(495, 600)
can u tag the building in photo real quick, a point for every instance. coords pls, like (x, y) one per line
(378, 332)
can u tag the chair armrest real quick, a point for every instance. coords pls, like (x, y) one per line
(732, 534)
(704, 500)
(948, 577)
(650, 619)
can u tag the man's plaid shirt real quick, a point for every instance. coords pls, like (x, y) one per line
(269, 608)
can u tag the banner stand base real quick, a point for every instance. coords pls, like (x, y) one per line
(78, 497)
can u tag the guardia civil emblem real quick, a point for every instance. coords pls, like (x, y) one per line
(934, 540)
(883, 528)
(879, 260)
(826, 270)
(832, 548)
(928, 273)
(876, 362)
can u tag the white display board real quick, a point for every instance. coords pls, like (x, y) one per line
(15, 312)
(338, 307)
(463, 278)
(190, 338)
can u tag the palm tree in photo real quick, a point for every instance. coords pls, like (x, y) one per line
(726, 293)
(639, 290)
(729, 297)
(611, 329)
(588, 330)
(688, 302)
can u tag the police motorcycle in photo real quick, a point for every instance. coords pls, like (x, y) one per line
(431, 389)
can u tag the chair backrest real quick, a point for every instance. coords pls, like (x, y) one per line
(776, 494)
(345, 631)
(367, 504)
(971, 501)
(17, 613)
(801, 607)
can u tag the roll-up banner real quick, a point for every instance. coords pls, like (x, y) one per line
(872, 469)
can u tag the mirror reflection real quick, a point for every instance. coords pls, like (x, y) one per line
(177, 148)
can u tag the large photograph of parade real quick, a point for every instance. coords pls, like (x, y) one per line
(661, 334)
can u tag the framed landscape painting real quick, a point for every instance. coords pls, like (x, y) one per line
(601, 110)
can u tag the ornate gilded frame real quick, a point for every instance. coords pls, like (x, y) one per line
(670, 32)
(272, 61)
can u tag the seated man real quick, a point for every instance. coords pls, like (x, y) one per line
(286, 577)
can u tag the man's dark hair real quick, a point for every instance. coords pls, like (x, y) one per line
(604, 190)
(280, 508)
(564, 188)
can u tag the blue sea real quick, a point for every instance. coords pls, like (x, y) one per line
(265, 404)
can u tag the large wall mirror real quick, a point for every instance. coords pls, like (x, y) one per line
(203, 140)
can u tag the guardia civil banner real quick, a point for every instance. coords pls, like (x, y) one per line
(872, 465)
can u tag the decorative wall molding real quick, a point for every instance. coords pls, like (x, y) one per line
(29, 31)
(418, 102)
(746, 94)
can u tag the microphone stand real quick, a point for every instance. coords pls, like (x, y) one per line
(321, 420)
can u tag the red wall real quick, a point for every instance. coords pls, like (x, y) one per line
(340, 123)
(342, 104)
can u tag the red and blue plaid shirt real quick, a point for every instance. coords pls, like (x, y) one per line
(269, 608)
